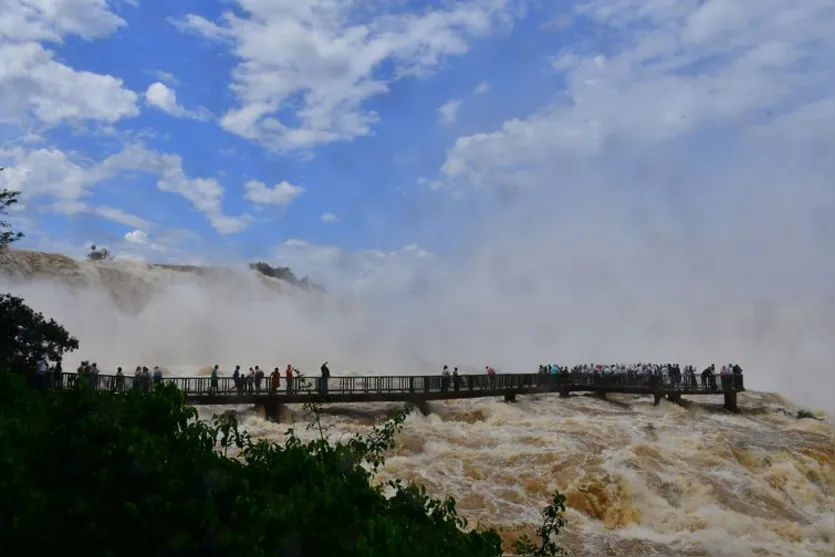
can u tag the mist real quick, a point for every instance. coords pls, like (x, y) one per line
(659, 255)
(655, 209)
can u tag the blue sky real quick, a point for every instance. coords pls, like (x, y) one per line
(349, 133)
(369, 182)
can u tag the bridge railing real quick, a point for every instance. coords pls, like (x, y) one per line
(407, 384)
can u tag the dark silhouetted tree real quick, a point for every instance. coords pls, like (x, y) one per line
(99, 254)
(285, 274)
(137, 474)
(7, 235)
(24, 333)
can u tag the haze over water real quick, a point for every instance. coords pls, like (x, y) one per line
(640, 480)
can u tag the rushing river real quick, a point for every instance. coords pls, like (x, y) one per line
(671, 480)
(640, 480)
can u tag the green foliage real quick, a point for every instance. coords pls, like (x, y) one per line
(285, 274)
(103, 474)
(553, 521)
(24, 333)
(807, 415)
(99, 254)
(138, 474)
(8, 236)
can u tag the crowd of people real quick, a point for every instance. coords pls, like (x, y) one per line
(251, 381)
(256, 379)
(144, 378)
(644, 373)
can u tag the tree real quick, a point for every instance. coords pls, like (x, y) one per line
(553, 520)
(99, 254)
(7, 235)
(138, 474)
(24, 333)
(285, 274)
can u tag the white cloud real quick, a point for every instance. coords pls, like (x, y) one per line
(449, 111)
(51, 20)
(192, 23)
(166, 77)
(43, 172)
(329, 217)
(295, 243)
(481, 88)
(698, 67)
(324, 61)
(137, 237)
(140, 240)
(33, 84)
(50, 173)
(164, 98)
(74, 207)
(281, 195)
(121, 216)
(205, 194)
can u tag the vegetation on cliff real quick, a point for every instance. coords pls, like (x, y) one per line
(137, 474)
(285, 274)
(99, 254)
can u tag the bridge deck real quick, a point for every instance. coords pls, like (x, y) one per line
(421, 389)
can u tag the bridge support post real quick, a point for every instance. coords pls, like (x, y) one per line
(422, 406)
(730, 401)
(657, 398)
(272, 411)
(674, 397)
(564, 393)
(600, 394)
(510, 397)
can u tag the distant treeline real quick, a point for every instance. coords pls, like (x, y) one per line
(99, 254)
(285, 274)
(282, 273)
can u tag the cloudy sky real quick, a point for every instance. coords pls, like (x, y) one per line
(633, 168)
(364, 132)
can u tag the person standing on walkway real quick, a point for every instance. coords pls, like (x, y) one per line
(323, 381)
(259, 378)
(145, 379)
(237, 379)
(288, 375)
(94, 375)
(491, 376)
(250, 380)
(213, 381)
(445, 379)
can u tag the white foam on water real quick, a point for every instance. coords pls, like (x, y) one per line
(649, 480)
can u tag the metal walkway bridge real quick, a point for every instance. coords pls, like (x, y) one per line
(419, 390)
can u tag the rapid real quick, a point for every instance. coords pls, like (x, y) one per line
(643, 480)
